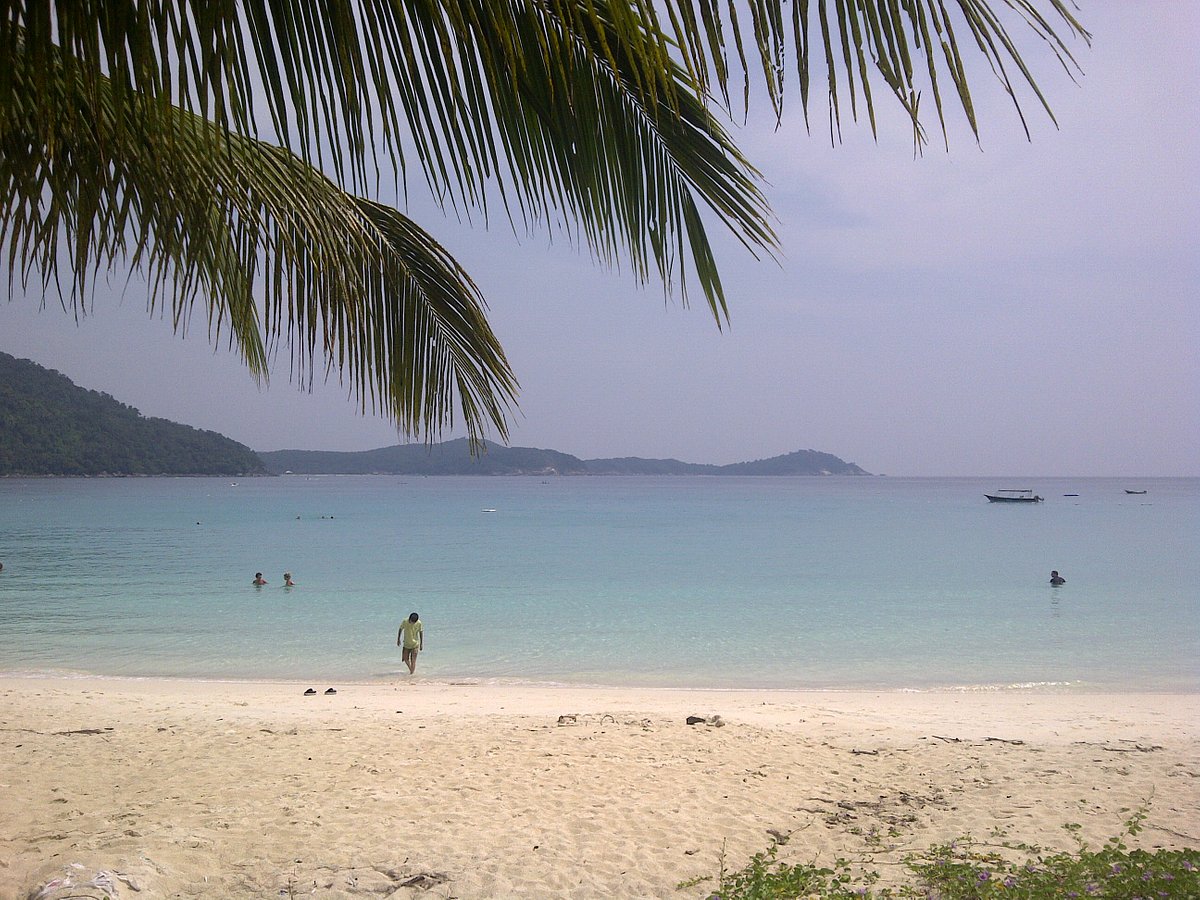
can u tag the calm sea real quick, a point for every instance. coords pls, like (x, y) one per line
(692, 582)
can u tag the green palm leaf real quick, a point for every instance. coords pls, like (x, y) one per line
(219, 146)
(905, 44)
(224, 219)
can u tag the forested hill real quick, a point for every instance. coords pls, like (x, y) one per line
(50, 426)
(454, 458)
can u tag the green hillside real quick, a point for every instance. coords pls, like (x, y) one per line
(50, 426)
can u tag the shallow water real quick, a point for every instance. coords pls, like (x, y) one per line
(685, 581)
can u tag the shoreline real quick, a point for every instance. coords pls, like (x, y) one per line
(249, 788)
(1049, 688)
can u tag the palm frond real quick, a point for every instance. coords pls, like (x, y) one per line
(906, 44)
(216, 218)
(218, 146)
(563, 107)
(430, 78)
(623, 169)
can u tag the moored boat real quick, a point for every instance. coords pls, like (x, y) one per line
(1014, 495)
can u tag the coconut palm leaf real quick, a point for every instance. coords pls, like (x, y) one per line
(592, 117)
(227, 221)
(907, 45)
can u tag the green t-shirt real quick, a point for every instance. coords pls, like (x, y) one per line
(412, 634)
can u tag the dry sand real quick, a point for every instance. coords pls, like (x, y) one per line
(448, 790)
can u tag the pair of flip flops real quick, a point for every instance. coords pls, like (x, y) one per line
(312, 691)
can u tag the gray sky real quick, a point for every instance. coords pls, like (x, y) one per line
(1020, 309)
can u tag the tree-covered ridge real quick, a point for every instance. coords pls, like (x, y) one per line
(454, 458)
(50, 426)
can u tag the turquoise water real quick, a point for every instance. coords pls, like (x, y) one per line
(708, 582)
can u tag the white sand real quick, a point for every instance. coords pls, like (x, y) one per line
(252, 790)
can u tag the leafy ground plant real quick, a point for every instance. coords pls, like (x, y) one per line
(962, 870)
(968, 870)
(765, 878)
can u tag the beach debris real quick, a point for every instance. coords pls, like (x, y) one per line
(86, 731)
(1005, 741)
(610, 717)
(857, 752)
(425, 880)
(710, 721)
(948, 740)
(78, 882)
(568, 719)
(781, 837)
(338, 881)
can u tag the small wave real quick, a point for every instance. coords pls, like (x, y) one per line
(995, 688)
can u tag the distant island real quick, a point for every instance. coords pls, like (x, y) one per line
(50, 426)
(454, 458)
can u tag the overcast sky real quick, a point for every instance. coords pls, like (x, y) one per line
(1019, 308)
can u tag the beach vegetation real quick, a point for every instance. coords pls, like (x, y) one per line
(764, 877)
(240, 157)
(967, 869)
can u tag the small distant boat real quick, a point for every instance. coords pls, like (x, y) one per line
(1014, 495)
(1070, 495)
(1128, 491)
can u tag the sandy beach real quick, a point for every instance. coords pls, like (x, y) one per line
(173, 788)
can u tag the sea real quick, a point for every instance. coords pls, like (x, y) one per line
(814, 583)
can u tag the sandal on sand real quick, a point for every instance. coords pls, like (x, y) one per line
(309, 692)
(330, 691)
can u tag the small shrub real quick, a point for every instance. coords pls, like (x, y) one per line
(961, 870)
(765, 878)
(967, 870)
